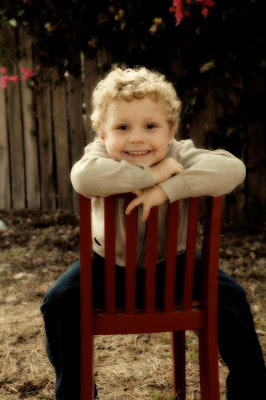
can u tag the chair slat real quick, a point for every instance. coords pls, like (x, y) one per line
(210, 253)
(208, 348)
(109, 221)
(171, 249)
(151, 260)
(190, 252)
(86, 295)
(131, 245)
(122, 323)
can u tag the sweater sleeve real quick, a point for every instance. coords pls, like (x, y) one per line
(96, 174)
(205, 173)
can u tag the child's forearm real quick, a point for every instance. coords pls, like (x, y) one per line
(98, 175)
(213, 175)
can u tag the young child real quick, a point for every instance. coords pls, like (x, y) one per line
(136, 115)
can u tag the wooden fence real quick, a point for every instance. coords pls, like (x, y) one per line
(44, 131)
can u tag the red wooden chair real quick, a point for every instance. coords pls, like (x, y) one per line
(174, 318)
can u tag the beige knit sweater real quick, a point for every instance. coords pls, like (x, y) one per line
(210, 173)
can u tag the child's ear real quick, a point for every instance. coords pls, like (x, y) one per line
(171, 139)
(172, 134)
(102, 138)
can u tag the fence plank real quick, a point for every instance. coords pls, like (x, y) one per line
(90, 79)
(76, 126)
(30, 133)
(15, 128)
(47, 176)
(61, 138)
(5, 200)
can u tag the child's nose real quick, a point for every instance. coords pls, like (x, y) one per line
(136, 137)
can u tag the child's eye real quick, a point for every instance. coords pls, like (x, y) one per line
(122, 127)
(150, 126)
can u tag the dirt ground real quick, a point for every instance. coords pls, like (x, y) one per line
(34, 251)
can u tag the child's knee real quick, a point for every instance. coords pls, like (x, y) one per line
(51, 299)
(230, 291)
(52, 296)
(60, 297)
(60, 304)
(66, 288)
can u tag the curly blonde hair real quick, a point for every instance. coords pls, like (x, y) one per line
(129, 84)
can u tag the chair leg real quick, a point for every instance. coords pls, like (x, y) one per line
(87, 364)
(179, 364)
(208, 360)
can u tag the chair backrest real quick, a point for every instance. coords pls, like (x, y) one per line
(210, 256)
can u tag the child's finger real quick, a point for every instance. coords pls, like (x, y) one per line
(146, 212)
(133, 204)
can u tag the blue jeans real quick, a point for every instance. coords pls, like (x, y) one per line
(238, 343)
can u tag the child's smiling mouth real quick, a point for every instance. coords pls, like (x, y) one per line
(138, 153)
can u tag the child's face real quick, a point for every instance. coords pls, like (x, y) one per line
(137, 131)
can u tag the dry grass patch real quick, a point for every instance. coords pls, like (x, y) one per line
(36, 249)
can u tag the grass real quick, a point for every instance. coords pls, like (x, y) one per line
(126, 367)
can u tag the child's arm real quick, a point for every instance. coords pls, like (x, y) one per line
(98, 175)
(205, 173)
(95, 174)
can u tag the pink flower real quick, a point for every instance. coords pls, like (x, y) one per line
(3, 70)
(206, 3)
(13, 78)
(205, 12)
(179, 11)
(209, 3)
(4, 82)
(30, 73)
(182, 11)
(27, 73)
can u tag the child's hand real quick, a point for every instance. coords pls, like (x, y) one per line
(151, 197)
(165, 169)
